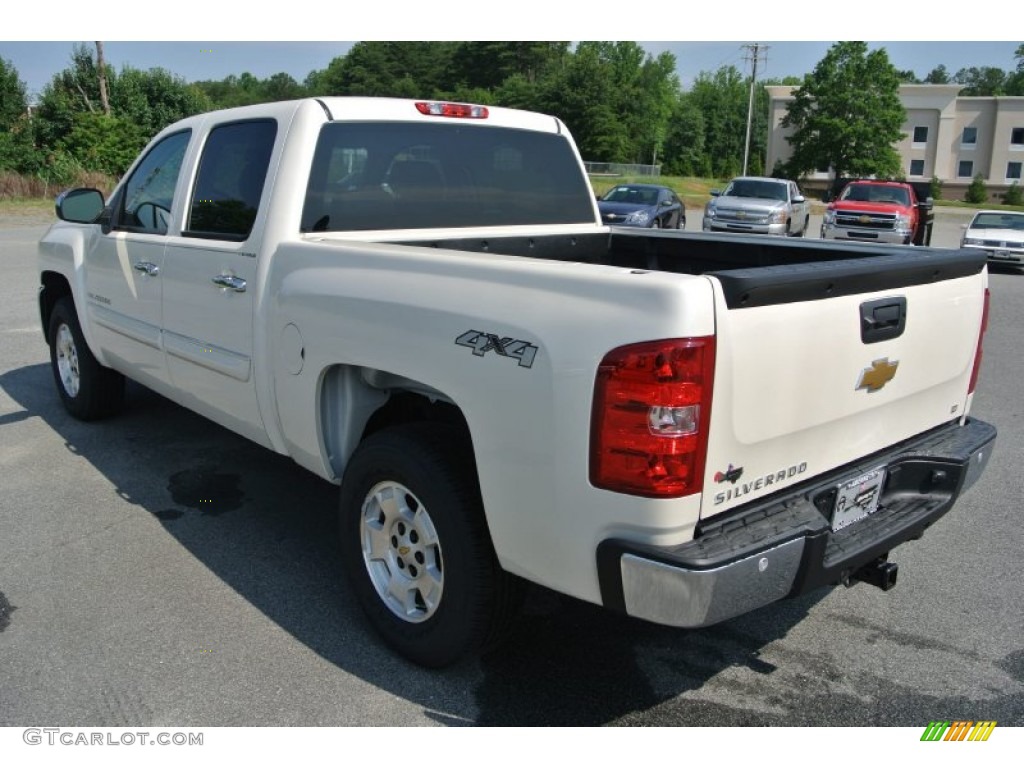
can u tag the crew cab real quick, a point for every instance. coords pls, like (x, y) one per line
(758, 205)
(880, 212)
(419, 302)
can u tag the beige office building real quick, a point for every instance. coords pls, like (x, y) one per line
(949, 137)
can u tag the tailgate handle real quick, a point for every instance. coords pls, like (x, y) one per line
(883, 319)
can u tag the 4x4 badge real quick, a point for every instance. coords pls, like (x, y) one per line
(878, 375)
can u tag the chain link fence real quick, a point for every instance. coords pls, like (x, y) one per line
(621, 169)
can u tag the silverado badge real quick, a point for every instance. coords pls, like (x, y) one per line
(878, 375)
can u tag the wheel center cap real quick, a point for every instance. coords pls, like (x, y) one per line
(403, 550)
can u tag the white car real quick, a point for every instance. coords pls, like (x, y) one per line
(999, 233)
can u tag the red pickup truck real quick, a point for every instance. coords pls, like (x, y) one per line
(879, 212)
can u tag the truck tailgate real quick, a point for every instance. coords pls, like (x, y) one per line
(819, 365)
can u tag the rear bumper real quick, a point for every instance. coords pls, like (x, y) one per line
(784, 546)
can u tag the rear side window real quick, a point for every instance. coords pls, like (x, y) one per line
(380, 176)
(229, 184)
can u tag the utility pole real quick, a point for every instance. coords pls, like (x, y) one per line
(101, 68)
(755, 53)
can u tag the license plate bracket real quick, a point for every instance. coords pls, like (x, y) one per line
(857, 498)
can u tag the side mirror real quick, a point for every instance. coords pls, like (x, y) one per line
(716, 192)
(799, 199)
(928, 203)
(81, 206)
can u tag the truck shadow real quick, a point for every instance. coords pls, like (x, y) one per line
(266, 527)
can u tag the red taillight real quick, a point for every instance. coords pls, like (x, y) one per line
(649, 428)
(981, 337)
(451, 109)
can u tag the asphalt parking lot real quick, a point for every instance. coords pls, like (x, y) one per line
(156, 569)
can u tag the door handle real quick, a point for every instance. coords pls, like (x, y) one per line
(236, 284)
(147, 267)
(883, 319)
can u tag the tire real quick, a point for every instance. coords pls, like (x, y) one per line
(656, 224)
(803, 229)
(681, 224)
(88, 390)
(416, 547)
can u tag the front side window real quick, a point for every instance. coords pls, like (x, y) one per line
(386, 176)
(229, 184)
(970, 136)
(965, 169)
(145, 205)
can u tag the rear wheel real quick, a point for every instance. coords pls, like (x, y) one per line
(416, 546)
(656, 224)
(88, 390)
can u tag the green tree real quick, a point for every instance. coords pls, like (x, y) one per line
(582, 94)
(684, 153)
(488, 64)
(16, 148)
(1015, 80)
(141, 103)
(977, 192)
(100, 142)
(722, 98)
(938, 76)
(13, 102)
(847, 115)
(981, 81)
(410, 69)
(1014, 195)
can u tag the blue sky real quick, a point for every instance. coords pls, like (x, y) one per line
(37, 62)
(794, 37)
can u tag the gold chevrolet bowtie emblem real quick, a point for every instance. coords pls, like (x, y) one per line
(878, 375)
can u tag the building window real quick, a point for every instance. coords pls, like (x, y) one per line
(969, 137)
(920, 135)
(1013, 171)
(1017, 137)
(965, 169)
(917, 167)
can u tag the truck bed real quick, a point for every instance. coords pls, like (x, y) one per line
(753, 270)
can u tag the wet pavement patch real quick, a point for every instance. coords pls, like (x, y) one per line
(5, 612)
(212, 493)
(168, 514)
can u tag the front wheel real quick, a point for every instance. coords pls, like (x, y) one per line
(88, 390)
(416, 546)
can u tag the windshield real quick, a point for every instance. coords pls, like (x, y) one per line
(766, 190)
(377, 176)
(875, 193)
(998, 221)
(638, 195)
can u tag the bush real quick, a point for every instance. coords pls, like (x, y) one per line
(1014, 195)
(935, 188)
(977, 192)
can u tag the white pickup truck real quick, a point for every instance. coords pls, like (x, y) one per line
(418, 301)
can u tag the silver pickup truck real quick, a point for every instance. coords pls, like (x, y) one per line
(758, 205)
